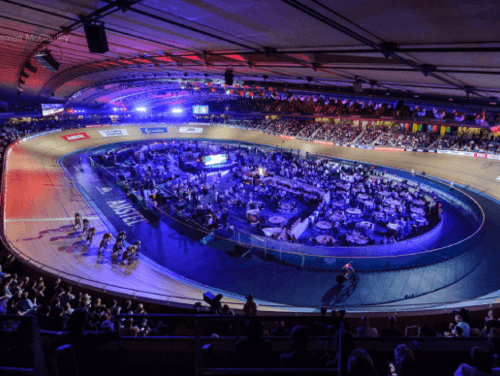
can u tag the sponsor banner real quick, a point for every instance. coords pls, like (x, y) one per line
(480, 155)
(387, 117)
(155, 130)
(190, 130)
(388, 149)
(96, 126)
(323, 143)
(113, 132)
(76, 137)
(287, 137)
(367, 147)
(493, 156)
(198, 124)
(419, 150)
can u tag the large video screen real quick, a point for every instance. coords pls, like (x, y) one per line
(49, 109)
(216, 159)
(200, 110)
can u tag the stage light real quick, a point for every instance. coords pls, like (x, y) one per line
(177, 110)
(140, 109)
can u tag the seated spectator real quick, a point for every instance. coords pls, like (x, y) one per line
(253, 352)
(405, 363)
(361, 364)
(464, 326)
(348, 345)
(25, 304)
(280, 330)
(21, 354)
(391, 332)
(482, 364)
(85, 343)
(129, 329)
(366, 330)
(300, 357)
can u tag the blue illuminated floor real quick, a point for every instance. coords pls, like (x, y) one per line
(290, 285)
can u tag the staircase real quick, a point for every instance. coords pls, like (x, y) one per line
(353, 142)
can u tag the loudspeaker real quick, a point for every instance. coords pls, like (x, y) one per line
(96, 38)
(229, 77)
(47, 61)
(399, 105)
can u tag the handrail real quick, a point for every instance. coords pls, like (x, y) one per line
(490, 301)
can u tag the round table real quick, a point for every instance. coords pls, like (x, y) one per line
(394, 226)
(363, 197)
(323, 225)
(276, 220)
(419, 202)
(390, 210)
(354, 211)
(393, 202)
(385, 193)
(418, 211)
(323, 239)
(369, 204)
(339, 203)
(421, 220)
(337, 217)
(366, 225)
(357, 239)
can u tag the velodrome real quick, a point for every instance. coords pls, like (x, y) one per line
(39, 204)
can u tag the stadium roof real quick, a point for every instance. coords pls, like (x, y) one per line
(448, 49)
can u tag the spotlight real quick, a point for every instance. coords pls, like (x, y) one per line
(177, 110)
(140, 109)
(47, 61)
(30, 67)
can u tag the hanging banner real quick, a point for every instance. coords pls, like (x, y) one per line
(415, 126)
(443, 130)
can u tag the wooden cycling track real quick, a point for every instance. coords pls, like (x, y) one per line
(39, 204)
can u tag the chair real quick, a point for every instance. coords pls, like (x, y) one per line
(412, 331)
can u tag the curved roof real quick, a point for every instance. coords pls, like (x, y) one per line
(446, 49)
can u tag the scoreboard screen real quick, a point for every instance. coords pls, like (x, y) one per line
(200, 110)
(217, 159)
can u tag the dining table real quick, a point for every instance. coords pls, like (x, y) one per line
(325, 239)
(324, 225)
(354, 211)
(276, 220)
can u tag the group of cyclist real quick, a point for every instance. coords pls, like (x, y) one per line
(118, 254)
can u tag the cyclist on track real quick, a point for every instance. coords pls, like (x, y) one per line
(348, 270)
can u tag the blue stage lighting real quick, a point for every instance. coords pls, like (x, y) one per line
(140, 109)
(177, 110)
